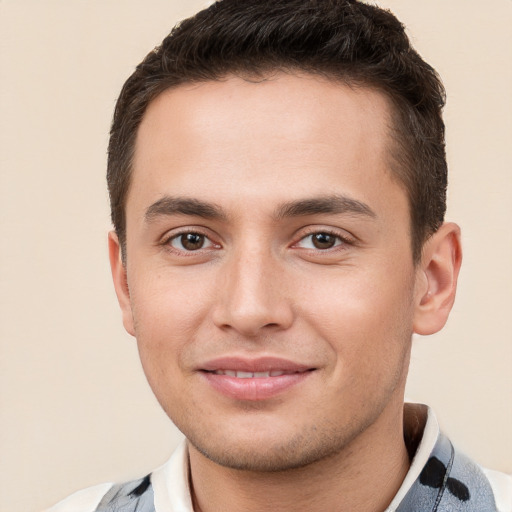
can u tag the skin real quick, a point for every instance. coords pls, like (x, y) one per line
(248, 154)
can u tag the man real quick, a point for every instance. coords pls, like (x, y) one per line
(277, 179)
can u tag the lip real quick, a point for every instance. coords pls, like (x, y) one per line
(259, 364)
(258, 387)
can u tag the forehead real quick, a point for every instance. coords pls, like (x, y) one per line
(289, 134)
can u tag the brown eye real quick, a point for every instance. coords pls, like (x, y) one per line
(323, 240)
(190, 241)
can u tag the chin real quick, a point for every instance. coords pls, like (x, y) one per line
(273, 453)
(256, 459)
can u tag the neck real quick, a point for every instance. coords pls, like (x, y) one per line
(364, 476)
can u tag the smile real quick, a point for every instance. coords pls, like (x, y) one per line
(254, 379)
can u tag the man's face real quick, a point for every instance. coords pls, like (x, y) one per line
(269, 268)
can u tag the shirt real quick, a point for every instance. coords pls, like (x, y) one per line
(440, 479)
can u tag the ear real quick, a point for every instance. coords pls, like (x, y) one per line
(119, 277)
(437, 279)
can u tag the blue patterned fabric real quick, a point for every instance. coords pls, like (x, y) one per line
(135, 496)
(449, 482)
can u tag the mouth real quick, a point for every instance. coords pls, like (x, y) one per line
(254, 379)
(254, 375)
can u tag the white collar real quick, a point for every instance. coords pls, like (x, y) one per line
(425, 447)
(171, 484)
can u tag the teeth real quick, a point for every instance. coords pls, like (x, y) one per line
(250, 375)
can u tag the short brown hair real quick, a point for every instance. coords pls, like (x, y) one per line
(344, 40)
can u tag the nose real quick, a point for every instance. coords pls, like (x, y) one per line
(252, 298)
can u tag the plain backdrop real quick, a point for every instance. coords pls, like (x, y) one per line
(75, 407)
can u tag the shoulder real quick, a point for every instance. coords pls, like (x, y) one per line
(136, 495)
(166, 488)
(501, 485)
(444, 479)
(85, 500)
(460, 484)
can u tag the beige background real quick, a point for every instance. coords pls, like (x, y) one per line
(75, 407)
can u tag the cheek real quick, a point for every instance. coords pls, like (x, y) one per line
(366, 317)
(167, 313)
(170, 297)
(163, 328)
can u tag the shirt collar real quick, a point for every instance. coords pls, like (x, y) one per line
(426, 444)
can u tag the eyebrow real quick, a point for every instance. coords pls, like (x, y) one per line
(167, 206)
(334, 204)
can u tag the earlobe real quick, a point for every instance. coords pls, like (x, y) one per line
(437, 280)
(119, 277)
